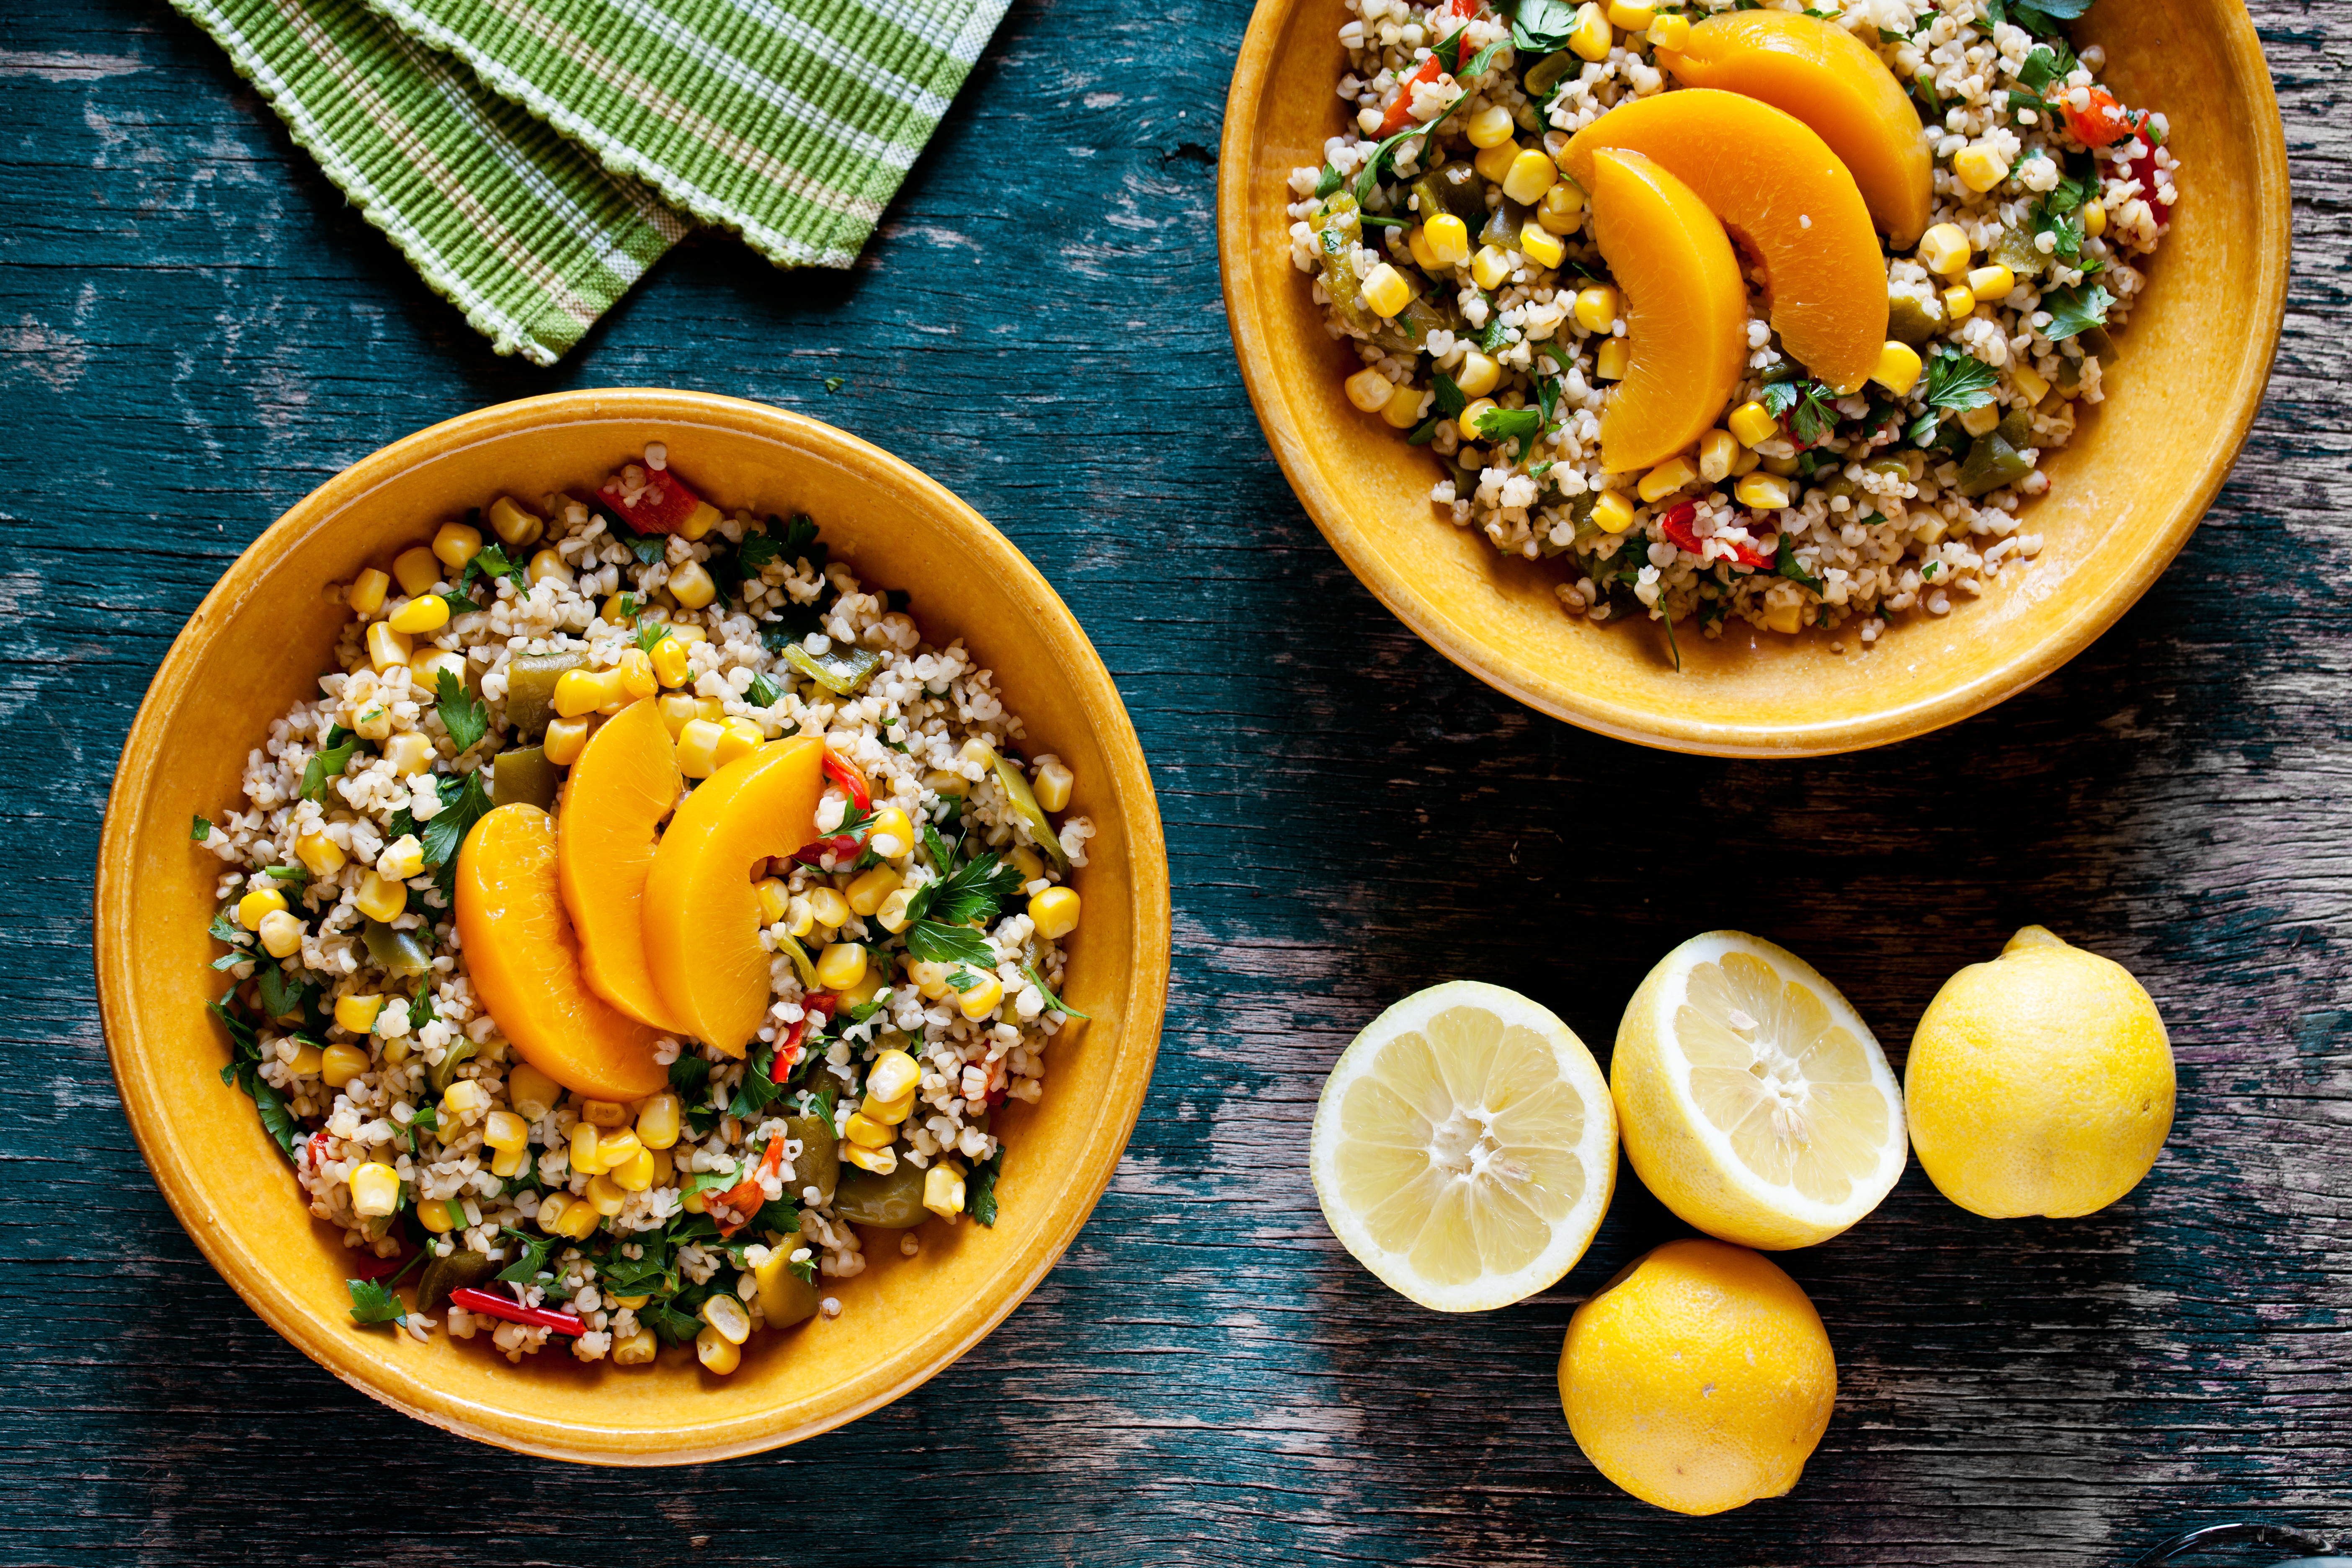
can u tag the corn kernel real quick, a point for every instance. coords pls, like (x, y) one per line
(1612, 511)
(665, 1167)
(893, 1076)
(308, 1060)
(869, 889)
(637, 1350)
(890, 1112)
(1613, 359)
(2094, 219)
(381, 899)
(699, 522)
(1490, 127)
(1531, 173)
(386, 648)
(506, 1162)
(2028, 380)
(1765, 492)
(1561, 209)
(828, 907)
(880, 1161)
(397, 1051)
(339, 1064)
(1666, 479)
(1448, 238)
(1991, 284)
(606, 1194)
(1717, 449)
(690, 585)
(409, 754)
(698, 748)
(635, 1173)
(1597, 308)
(1402, 410)
(983, 999)
(321, 855)
(461, 1100)
(866, 1132)
(1385, 291)
(282, 934)
(580, 1220)
(1589, 37)
(1475, 410)
(439, 1215)
(583, 691)
(504, 1130)
(862, 992)
(425, 665)
(563, 741)
(775, 899)
(618, 1147)
(711, 708)
(516, 528)
(1671, 34)
(1979, 167)
(375, 1190)
(943, 1189)
(624, 610)
(1784, 467)
(892, 835)
(678, 709)
(357, 1014)
(893, 912)
(1052, 784)
(1957, 301)
(1981, 420)
(1369, 390)
(1539, 244)
(603, 1112)
(636, 671)
(1054, 913)
(365, 595)
(716, 1355)
(1495, 161)
(1631, 17)
(583, 1150)
(657, 1122)
(1898, 367)
(416, 569)
(402, 858)
(547, 564)
(1743, 462)
(840, 965)
(1945, 250)
(261, 902)
(1416, 244)
(1786, 617)
(1489, 268)
(738, 737)
(428, 613)
(531, 1092)
(1753, 424)
(456, 543)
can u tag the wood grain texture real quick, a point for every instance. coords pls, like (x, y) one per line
(194, 329)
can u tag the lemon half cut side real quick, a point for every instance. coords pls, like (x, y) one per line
(1466, 1147)
(1755, 1102)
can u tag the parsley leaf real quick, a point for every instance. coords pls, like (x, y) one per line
(932, 943)
(1786, 565)
(973, 891)
(647, 548)
(690, 1075)
(758, 1090)
(1450, 403)
(1956, 380)
(1513, 424)
(1329, 181)
(281, 992)
(2075, 309)
(1805, 405)
(962, 978)
(199, 830)
(490, 564)
(763, 693)
(980, 1187)
(375, 1303)
(536, 1250)
(465, 716)
(1543, 26)
(443, 834)
(328, 763)
(1053, 1004)
(651, 635)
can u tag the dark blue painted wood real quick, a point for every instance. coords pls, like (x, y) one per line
(194, 329)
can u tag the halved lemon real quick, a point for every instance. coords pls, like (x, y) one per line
(1755, 1104)
(1465, 1148)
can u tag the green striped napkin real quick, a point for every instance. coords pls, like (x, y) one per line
(522, 230)
(517, 181)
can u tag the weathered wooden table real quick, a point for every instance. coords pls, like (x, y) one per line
(194, 330)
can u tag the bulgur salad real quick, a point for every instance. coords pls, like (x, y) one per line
(1460, 243)
(431, 932)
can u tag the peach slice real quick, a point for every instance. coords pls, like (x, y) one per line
(701, 912)
(525, 962)
(1833, 82)
(1781, 190)
(1686, 310)
(623, 782)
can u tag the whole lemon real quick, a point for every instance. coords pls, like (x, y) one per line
(1699, 1378)
(2040, 1083)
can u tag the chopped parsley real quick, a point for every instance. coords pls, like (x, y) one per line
(465, 716)
(1805, 405)
(1053, 1002)
(374, 1301)
(1956, 380)
(2075, 309)
(199, 830)
(328, 763)
(1450, 403)
(979, 1188)
(763, 693)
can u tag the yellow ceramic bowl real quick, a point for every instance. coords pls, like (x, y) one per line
(2123, 498)
(253, 648)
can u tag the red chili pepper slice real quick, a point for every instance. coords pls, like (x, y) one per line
(1676, 526)
(814, 1008)
(843, 847)
(1399, 113)
(2143, 169)
(2102, 121)
(662, 507)
(747, 1196)
(314, 1150)
(1749, 555)
(371, 1268)
(493, 1306)
(850, 777)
